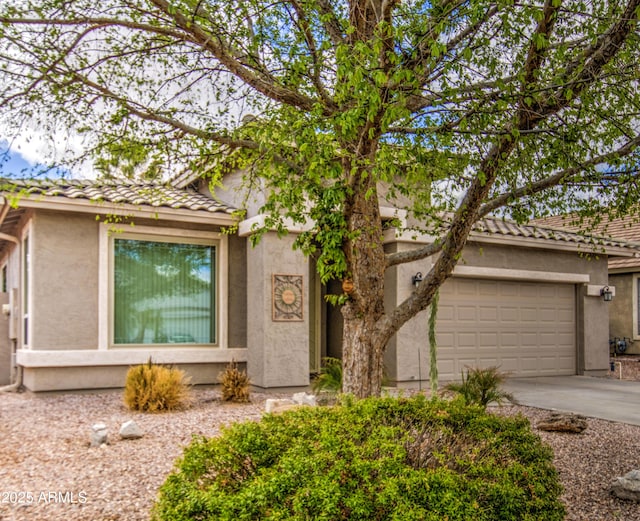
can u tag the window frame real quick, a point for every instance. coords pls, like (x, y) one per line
(157, 234)
(26, 295)
(5, 277)
(636, 307)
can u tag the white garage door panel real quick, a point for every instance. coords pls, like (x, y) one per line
(526, 328)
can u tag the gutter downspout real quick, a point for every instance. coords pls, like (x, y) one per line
(15, 386)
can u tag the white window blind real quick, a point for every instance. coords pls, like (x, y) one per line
(164, 292)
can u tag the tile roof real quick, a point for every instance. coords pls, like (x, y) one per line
(586, 242)
(117, 192)
(626, 228)
(556, 231)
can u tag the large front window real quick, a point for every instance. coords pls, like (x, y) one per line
(163, 292)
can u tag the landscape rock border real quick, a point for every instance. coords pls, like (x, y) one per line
(129, 430)
(563, 422)
(627, 486)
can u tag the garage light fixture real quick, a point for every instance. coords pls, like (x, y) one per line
(606, 294)
(417, 279)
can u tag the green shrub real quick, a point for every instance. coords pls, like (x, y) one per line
(156, 388)
(377, 459)
(236, 386)
(330, 377)
(482, 386)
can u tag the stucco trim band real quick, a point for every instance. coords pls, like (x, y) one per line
(86, 358)
(595, 290)
(247, 227)
(521, 275)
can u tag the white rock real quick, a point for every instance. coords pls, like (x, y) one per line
(273, 403)
(98, 434)
(286, 407)
(628, 486)
(130, 430)
(305, 399)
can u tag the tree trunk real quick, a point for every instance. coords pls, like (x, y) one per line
(362, 356)
(363, 346)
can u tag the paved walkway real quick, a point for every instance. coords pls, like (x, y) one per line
(615, 400)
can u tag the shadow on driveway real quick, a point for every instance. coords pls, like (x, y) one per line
(614, 400)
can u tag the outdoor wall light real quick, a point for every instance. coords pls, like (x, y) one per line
(417, 279)
(606, 294)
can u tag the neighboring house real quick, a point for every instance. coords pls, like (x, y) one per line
(98, 276)
(624, 276)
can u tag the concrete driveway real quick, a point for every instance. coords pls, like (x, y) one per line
(615, 400)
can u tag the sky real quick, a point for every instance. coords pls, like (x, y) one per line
(24, 163)
(16, 163)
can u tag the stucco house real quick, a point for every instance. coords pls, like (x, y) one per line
(624, 275)
(99, 276)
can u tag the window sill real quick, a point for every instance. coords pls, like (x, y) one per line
(129, 356)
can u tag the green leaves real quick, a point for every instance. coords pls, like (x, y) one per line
(398, 459)
(427, 77)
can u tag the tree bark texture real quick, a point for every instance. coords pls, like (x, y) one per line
(363, 347)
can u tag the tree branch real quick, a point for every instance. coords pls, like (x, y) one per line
(331, 22)
(416, 103)
(584, 71)
(557, 178)
(263, 82)
(190, 32)
(469, 210)
(402, 257)
(305, 27)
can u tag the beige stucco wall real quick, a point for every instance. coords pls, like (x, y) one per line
(621, 320)
(592, 334)
(64, 275)
(10, 325)
(407, 354)
(513, 257)
(38, 379)
(65, 310)
(278, 352)
(237, 298)
(6, 347)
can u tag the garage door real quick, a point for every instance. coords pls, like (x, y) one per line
(526, 328)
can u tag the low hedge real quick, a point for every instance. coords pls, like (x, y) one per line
(376, 459)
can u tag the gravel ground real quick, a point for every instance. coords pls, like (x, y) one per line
(48, 471)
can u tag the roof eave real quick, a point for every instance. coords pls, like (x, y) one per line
(127, 210)
(550, 244)
(392, 235)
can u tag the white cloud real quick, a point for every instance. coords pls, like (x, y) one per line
(39, 149)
